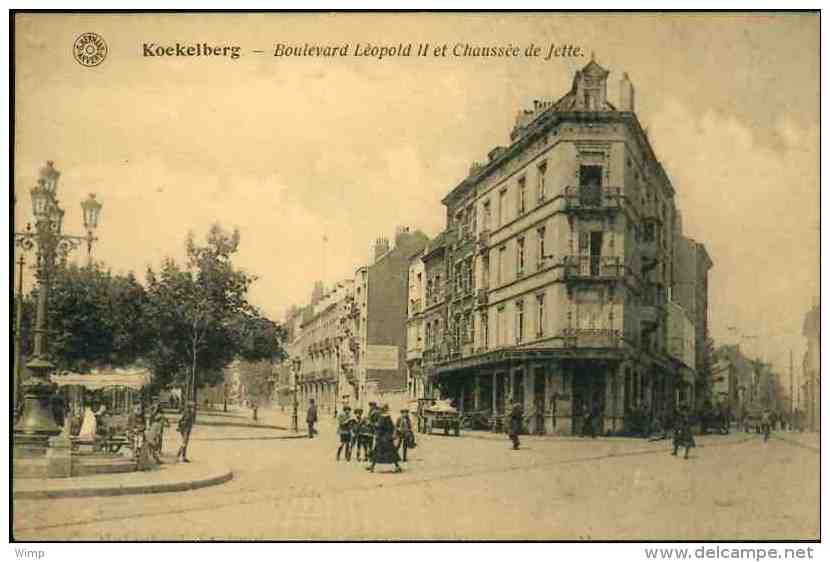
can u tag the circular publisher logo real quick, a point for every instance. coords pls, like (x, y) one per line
(90, 49)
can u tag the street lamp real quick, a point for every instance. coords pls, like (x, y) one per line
(296, 364)
(37, 423)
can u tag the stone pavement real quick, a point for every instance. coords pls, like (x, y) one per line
(733, 486)
(807, 439)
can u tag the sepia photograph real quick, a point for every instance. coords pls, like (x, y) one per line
(415, 276)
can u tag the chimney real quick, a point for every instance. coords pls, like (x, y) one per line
(381, 247)
(626, 93)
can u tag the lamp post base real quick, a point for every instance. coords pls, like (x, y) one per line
(37, 425)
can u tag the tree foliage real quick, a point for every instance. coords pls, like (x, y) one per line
(202, 317)
(95, 319)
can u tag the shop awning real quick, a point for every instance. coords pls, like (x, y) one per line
(98, 379)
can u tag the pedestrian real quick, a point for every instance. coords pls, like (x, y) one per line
(311, 418)
(516, 425)
(683, 434)
(184, 427)
(587, 422)
(766, 423)
(384, 451)
(155, 433)
(406, 437)
(345, 422)
(360, 435)
(374, 418)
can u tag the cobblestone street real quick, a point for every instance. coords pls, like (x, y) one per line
(733, 487)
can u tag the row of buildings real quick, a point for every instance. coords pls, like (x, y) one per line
(562, 281)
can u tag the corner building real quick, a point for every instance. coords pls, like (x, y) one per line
(557, 267)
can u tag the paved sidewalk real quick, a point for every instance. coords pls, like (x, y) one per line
(168, 477)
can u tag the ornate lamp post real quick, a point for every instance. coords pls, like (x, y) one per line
(37, 423)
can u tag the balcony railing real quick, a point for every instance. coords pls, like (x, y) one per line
(593, 267)
(591, 337)
(592, 198)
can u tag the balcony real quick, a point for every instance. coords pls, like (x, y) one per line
(591, 338)
(592, 199)
(414, 353)
(593, 268)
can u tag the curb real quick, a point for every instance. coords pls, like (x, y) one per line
(180, 486)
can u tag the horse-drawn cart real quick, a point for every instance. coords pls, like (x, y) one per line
(438, 414)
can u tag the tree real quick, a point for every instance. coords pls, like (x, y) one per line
(256, 376)
(95, 319)
(202, 317)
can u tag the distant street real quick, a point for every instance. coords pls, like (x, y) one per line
(473, 487)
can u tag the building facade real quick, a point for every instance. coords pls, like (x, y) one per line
(549, 286)
(415, 380)
(691, 291)
(811, 376)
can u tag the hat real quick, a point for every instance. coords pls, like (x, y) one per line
(347, 408)
(404, 411)
(384, 408)
(358, 410)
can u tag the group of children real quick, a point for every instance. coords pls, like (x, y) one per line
(374, 435)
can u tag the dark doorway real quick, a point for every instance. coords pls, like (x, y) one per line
(519, 387)
(485, 392)
(539, 399)
(500, 386)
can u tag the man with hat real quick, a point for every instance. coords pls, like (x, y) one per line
(311, 418)
(361, 434)
(516, 425)
(184, 427)
(406, 437)
(374, 418)
(345, 421)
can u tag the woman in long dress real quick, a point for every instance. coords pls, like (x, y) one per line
(89, 425)
(385, 451)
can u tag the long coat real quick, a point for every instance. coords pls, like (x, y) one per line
(385, 451)
(516, 422)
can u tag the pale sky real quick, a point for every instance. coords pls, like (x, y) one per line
(290, 149)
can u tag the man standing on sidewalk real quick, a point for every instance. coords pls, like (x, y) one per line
(184, 427)
(406, 438)
(311, 418)
(516, 425)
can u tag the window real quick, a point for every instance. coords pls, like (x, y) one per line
(540, 181)
(470, 280)
(500, 266)
(590, 186)
(520, 320)
(468, 327)
(485, 330)
(520, 256)
(540, 232)
(500, 326)
(521, 202)
(502, 206)
(485, 223)
(428, 343)
(485, 272)
(540, 315)
(459, 277)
